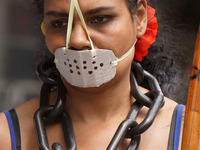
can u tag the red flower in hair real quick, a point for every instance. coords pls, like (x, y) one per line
(145, 41)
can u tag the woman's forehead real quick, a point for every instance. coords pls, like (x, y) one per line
(84, 4)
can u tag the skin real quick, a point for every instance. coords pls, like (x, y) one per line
(95, 112)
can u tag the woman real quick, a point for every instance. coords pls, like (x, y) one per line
(96, 110)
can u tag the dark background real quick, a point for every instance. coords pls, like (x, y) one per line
(20, 36)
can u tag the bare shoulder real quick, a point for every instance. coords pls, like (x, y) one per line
(4, 133)
(160, 129)
(25, 113)
(27, 109)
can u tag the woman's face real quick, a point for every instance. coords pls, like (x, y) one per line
(109, 23)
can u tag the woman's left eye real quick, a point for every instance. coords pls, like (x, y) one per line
(58, 23)
(101, 19)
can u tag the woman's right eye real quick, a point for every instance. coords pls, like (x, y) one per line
(59, 23)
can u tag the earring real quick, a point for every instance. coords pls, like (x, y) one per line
(43, 28)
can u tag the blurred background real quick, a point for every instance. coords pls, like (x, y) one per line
(20, 37)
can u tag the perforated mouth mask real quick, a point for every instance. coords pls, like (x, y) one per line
(86, 68)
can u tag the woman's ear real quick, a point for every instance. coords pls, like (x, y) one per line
(141, 18)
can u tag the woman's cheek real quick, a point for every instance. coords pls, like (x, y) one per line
(53, 42)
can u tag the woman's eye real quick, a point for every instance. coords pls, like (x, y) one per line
(59, 23)
(101, 19)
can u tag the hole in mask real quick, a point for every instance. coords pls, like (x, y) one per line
(84, 67)
(79, 73)
(84, 62)
(67, 59)
(77, 67)
(65, 63)
(101, 64)
(94, 62)
(71, 71)
(75, 61)
(90, 72)
(95, 68)
(70, 65)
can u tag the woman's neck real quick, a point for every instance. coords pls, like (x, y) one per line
(99, 104)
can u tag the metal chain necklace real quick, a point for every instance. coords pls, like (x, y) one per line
(129, 128)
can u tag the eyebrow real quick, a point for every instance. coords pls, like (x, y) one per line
(98, 10)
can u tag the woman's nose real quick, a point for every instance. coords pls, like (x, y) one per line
(79, 38)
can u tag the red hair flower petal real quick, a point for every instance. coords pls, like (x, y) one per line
(149, 37)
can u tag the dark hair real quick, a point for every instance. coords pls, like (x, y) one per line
(39, 5)
(132, 4)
